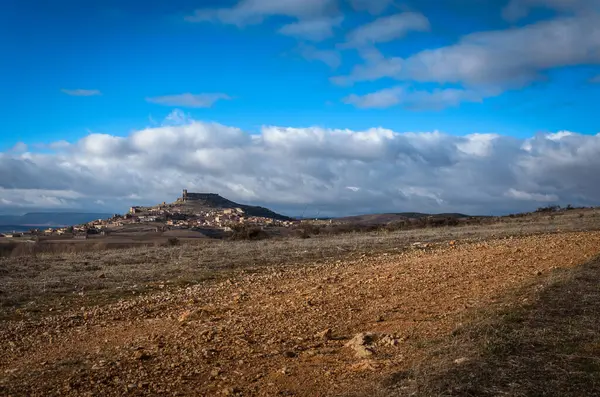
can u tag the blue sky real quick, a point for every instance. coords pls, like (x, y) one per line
(514, 68)
(130, 50)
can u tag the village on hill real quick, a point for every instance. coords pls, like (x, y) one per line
(191, 211)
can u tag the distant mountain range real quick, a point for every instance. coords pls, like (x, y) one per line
(48, 219)
(14, 228)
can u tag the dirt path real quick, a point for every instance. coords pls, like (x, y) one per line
(259, 334)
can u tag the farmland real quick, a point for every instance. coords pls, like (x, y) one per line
(385, 312)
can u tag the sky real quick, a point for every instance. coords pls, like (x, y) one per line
(337, 107)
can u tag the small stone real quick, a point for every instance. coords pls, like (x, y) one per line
(142, 355)
(102, 275)
(360, 344)
(388, 340)
(230, 391)
(310, 353)
(361, 339)
(289, 354)
(363, 351)
(326, 334)
(380, 319)
(461, 360)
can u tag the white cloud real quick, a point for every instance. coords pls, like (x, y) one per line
(81, 92)
(337, 171)
(176, 117)
(510, 58)
(440, 98)
(189, 100)
(413, 99)
(492, 62)
(559, 135)
(536, 197)
(381, 99)
(103, 145)
(328, 57)
(19, 147)
(255, 11)
(388, 28)
(59, 145)
(38, 198)
(478, 144)
(316, 29)
(377, 66)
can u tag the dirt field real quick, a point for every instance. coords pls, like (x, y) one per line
(318, 317)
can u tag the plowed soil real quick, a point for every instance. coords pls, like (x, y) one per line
(266, 334)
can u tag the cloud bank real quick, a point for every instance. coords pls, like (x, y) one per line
(337, 172)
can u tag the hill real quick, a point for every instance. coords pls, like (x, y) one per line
(380, 219)
(204, 201)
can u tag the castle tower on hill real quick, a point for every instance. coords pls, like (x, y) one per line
(184, 197)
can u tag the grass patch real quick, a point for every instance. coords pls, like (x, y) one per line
(549, 347)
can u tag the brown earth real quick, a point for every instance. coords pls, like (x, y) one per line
(544, 342)
(266, 333)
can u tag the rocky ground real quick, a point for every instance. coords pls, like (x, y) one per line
(334, 328)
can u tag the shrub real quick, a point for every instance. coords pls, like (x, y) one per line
(6, 249)
(397, 225)
(247, 232)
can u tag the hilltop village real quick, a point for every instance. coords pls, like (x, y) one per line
(192, 211)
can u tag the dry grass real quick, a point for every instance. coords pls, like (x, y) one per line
(86, 273)
(259, 333)
(548, 345)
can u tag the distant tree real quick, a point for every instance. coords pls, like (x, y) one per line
(173, 241)
(550, 208)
